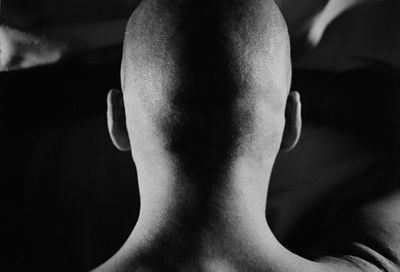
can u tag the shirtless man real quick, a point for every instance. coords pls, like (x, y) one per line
(204, 109)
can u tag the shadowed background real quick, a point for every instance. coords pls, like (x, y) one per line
(71, 198)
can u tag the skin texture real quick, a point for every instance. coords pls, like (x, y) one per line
(205, 109)
(335, 35)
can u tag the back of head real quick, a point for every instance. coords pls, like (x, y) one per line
(205, 82)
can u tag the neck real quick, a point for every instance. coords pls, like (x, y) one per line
(208, 222)
(198, 210)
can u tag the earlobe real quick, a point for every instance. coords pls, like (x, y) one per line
(116, 120)
(291, 133)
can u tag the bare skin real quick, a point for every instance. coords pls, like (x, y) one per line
(319, 31)
(177, 112)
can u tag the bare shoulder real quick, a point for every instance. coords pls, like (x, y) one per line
(336, 197)
(375, 230)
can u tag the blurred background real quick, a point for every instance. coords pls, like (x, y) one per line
(71, 199)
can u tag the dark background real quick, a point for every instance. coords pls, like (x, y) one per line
(71, 198)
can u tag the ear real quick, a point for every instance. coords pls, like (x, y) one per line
(116, 120)
(291, 133)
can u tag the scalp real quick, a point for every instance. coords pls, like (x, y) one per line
(243, 33)
(210, 74)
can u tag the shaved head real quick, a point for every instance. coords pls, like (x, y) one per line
(206, 82)
(206, 109)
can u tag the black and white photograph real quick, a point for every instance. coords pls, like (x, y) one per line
(200, 135)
